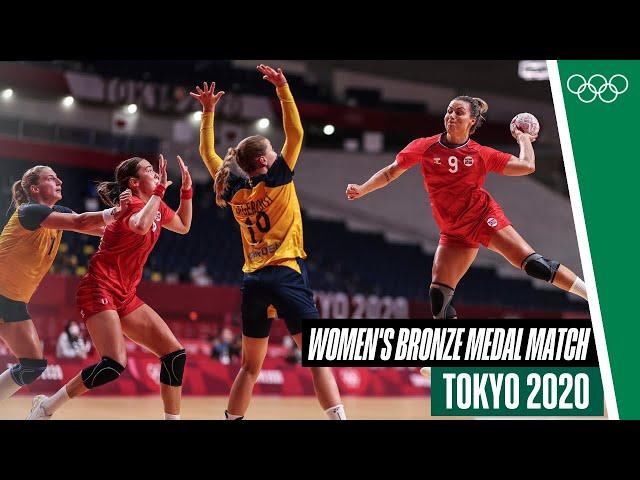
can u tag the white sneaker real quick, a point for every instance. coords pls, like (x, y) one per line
(37, 410)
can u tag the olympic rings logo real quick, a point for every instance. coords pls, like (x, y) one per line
(596, 88)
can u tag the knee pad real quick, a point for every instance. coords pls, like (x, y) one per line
(107, 370)
(441, 297)
(172, 368)
(28, 370)
(539, 267)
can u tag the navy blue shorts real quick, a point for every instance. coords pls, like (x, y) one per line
(284, 288)
(13, 311)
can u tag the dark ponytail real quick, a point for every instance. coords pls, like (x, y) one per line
(110, 191)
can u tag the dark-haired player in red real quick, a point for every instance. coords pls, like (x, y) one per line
(106, 296)
(454, 168)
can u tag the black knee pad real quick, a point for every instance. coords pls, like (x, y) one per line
(441, 296)
(451, 312)
(28, 370)
(172, 368)
(107, 370)
(539, 267)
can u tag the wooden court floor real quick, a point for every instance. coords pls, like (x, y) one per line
(212, 408)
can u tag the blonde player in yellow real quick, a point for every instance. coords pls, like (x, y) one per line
(28, 245)
(265, 205)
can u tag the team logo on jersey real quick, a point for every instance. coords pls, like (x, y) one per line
(436, 161)
(492, 222)
(468, 161)
(158, 216)
(104, 301)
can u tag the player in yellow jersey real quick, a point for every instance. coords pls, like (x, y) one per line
(265, 205)
(28, 245)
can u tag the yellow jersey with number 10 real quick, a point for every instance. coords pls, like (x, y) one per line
(265, 206)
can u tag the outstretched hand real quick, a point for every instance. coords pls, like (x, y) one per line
(162, 168)
(277, 78)
(123, 204)
(206, 96)
(186, 176)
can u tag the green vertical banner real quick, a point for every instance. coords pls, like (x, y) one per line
(597, 105)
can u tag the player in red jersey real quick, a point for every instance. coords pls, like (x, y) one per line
(106, 297)
(454, 168)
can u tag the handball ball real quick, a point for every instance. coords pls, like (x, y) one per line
(525, 122)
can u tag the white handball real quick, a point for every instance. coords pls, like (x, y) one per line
(525, 122)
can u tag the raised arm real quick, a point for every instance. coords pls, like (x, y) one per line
(290, 117)
(208, 100)
(525, 163)
(181, 221)
(141, 221)
(381, 178)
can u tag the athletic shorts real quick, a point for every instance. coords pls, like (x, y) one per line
(478, 231)
(13, 311)
(284, 288)
(93, 300)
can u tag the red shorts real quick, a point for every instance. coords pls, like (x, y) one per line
(477, 232)
(93, 300)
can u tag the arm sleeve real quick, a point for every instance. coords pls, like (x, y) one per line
(292, 126)
(32, 215)
(207, 144)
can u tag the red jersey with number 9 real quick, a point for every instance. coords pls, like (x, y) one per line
(453, 178)
(118, 264)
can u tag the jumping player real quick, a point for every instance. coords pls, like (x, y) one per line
(28, 245)
(265, 205)
(106, 297)
(454, 168)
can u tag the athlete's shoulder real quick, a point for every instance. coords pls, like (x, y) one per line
(62, 209)
(279, 173)
(421, 145)
(31, 215)
(235, 183)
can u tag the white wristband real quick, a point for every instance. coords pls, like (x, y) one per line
(108, 215)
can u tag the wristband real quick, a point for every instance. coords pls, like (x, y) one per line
(159, 190)
(186, 194)
(109, 215)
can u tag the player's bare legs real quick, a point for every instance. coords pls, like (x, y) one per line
(324, 383)
(451, 263)
(145, 327)
(22, 339)
(508, 243)
(106, 334)
(253, 352)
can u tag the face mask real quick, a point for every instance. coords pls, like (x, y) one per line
(74, 330)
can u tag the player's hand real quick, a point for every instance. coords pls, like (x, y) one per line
(519, 135)
(206, 97)
(186, 176)
(354, 191)
(123, 204)
(272, 76)
(162, 167)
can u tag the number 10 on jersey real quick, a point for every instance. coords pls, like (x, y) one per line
(261, 223)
